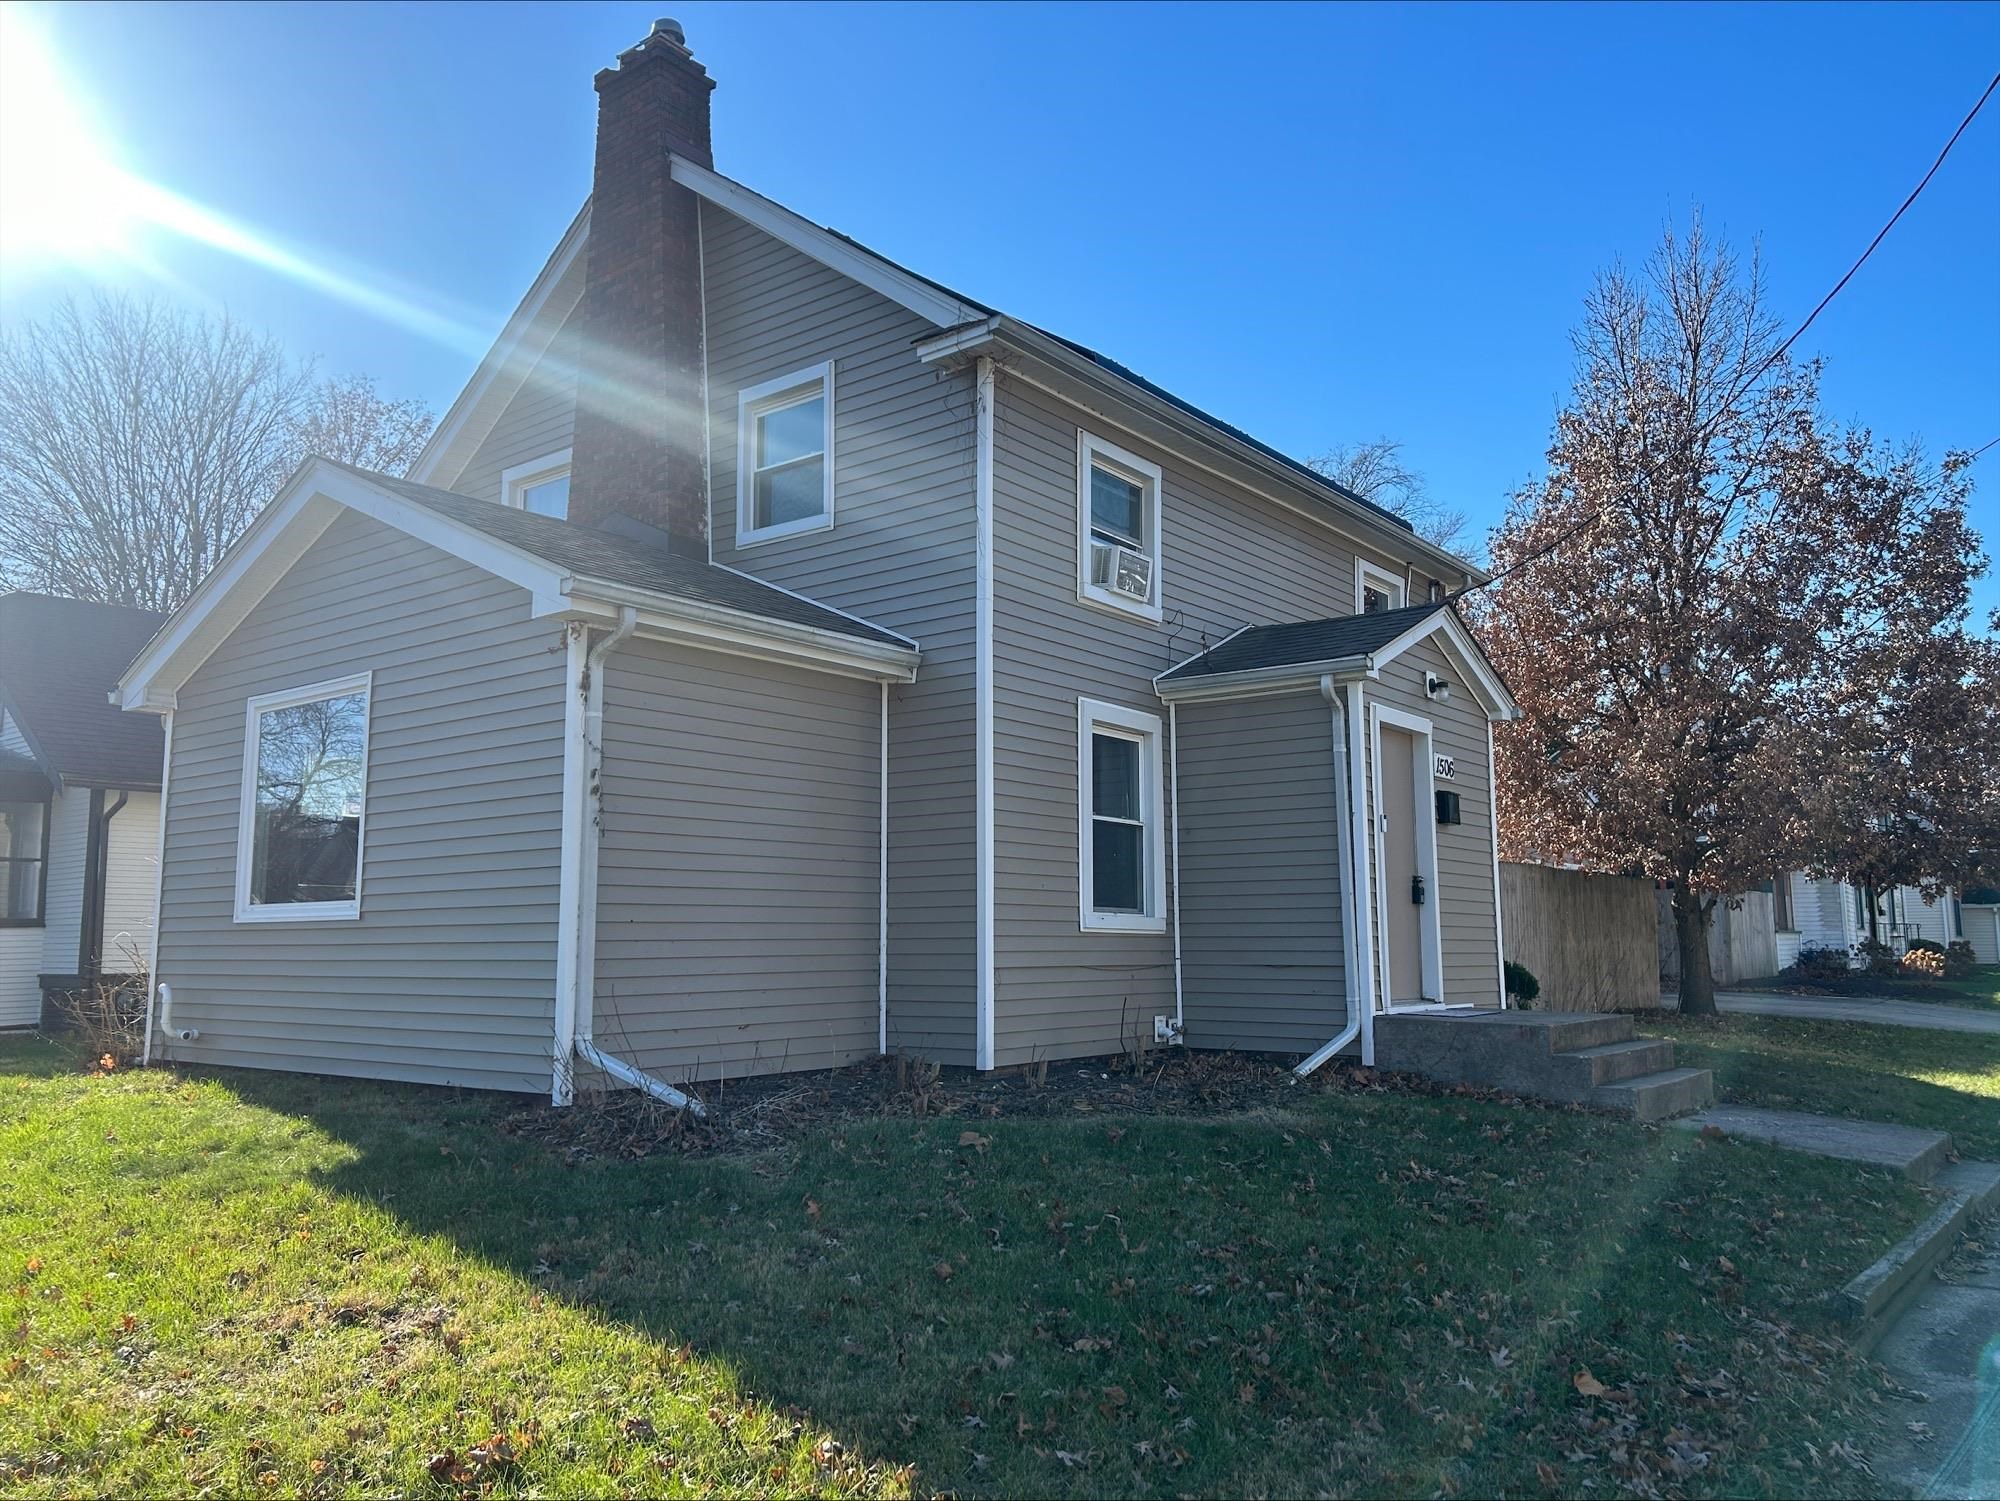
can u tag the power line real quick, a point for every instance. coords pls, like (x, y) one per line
(1981, 449)
(1778, 354)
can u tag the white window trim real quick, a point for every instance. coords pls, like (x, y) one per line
(1091, 716)
(1366, 573)
(752, 402)
(1089, 448)
(516, 478)
(246, 809)
(1430, 925)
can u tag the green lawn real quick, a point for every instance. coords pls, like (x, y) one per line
(1949, 1081)
(1980, 988)
(243, 1284)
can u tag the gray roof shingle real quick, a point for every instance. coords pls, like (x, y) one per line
(59, 661)
(1298, 642)
(631, 561)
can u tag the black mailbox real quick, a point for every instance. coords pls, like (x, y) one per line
(1447, 806)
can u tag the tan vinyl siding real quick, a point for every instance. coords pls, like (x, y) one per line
(1260, 875)
(1229, 559)
(449, 975)
(900, 553)
(738, 878)
(536, 423)
(1464, 895)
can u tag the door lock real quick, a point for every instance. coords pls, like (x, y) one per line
(1417, 890)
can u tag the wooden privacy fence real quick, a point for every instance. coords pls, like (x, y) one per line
(1591, 940)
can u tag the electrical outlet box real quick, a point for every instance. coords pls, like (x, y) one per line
(1166, 1029)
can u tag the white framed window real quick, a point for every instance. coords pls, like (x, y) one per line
(784, 456)
(1117, 528)
(302, 820)
(1121, 816)
(540, 485)
(1376, 589)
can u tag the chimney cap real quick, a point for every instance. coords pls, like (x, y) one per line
(669, 28)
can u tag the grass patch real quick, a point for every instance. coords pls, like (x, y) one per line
(1948, 1081)
(250, 1283)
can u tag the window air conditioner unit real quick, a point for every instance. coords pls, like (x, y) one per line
(1122, 570)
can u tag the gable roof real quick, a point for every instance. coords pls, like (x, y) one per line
(1302, 654)
(960, 319)
(59, 661)
(1301, 641)
(569, 571)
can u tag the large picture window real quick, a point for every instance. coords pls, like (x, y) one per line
(784, 478)
(305, 775)
(24, 850)
(1120, 819)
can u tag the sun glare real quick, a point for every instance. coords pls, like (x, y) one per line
(61, 194)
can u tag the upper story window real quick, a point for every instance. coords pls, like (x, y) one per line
(784, 458)
(541, 486)
(305, 780)
(1118, 528)
(24, 858)
(1376, 589)
(1120, 819)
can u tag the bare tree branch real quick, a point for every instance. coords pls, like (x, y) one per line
(1377, 473)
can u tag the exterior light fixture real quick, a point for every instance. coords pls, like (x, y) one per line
(1437, 688)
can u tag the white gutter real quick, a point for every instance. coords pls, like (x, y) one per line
(1174, 858)
(153, 986)
(983, 720)
(1357, 1004)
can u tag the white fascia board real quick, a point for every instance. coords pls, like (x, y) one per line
(739, 633)
(1136, 411)
(1259, 682)
(899, 286)
(1465, 654)
(523, 341)
(291, 523)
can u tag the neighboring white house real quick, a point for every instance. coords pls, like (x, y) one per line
(79, 801)
(1979, 915)
(1820, 912)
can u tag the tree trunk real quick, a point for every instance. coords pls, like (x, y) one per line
(1692, 913)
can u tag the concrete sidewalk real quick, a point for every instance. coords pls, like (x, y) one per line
(1881, 1011)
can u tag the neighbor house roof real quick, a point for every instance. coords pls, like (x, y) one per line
(628, 558)
(59, 661)
(1299, 642)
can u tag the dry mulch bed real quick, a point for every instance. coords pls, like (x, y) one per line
(746, 1115)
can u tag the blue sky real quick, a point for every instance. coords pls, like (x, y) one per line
(1323, 224)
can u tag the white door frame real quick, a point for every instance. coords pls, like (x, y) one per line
(1423, 811)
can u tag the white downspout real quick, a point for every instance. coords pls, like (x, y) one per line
(1174, 856)
(569, 886)
(583, 1007)
(153, 986)
(1357, 766)
(982, 735)
(1356, 999)
(1493, 834)
(882, 893)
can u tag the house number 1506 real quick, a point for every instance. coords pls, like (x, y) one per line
(1445, 767)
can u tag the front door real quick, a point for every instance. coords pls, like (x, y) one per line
(1398, 786)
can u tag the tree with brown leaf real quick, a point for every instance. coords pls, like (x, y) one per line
(1738, 631)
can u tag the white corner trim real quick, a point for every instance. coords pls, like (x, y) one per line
(882, 890)
(1360, 954)
(1366, 573)
(707, 405)
(159, 884)
(755, 401)
(517, 477)
(1090, 450)
(1356, 997)
(255, 708)
(1093, 715)
(523, 340)
(1173, 815)
(919, 296)
(982, 734)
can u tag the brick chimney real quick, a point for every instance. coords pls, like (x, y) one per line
(638, 440)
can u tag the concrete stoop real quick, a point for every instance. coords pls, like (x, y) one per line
(1579, 1057)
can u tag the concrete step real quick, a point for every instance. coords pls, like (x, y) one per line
(1657, 1097)
(1912, 1151)
(1613, 1061)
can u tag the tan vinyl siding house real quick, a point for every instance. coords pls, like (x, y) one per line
(810, 729)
